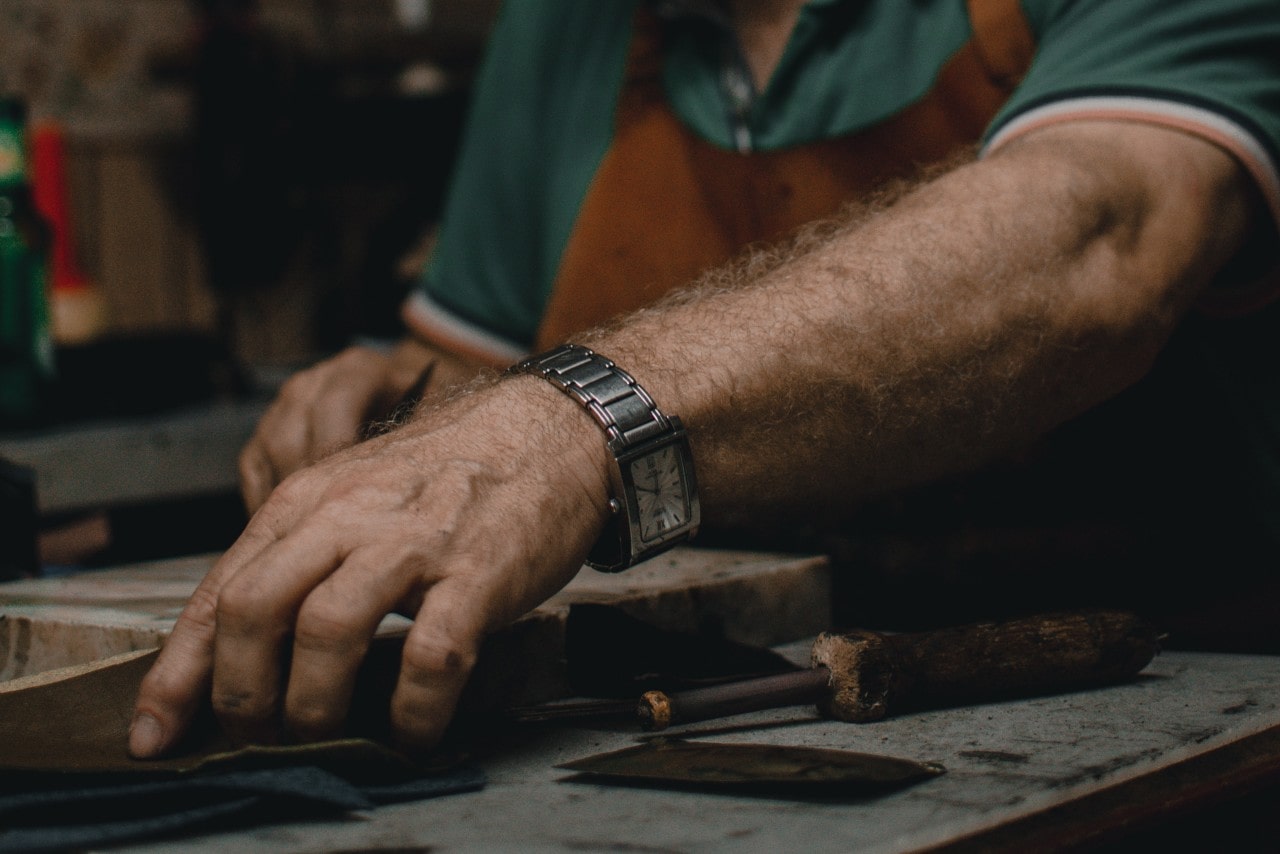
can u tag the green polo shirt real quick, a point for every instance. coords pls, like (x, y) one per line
(542, 117)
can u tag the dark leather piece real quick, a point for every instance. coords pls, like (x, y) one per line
(67, 781)
(103, 810)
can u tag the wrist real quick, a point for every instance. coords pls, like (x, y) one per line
(653, 502)
(570, 438)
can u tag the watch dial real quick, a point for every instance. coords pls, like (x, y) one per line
(660, 493)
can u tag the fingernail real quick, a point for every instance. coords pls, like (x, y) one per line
(145, 736)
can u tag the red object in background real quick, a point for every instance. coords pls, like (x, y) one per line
(49, 187)
(77, 308)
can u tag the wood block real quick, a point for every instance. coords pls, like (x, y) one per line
(185, 453)
(760, 599)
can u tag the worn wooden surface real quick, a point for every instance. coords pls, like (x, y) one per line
(1039, 775)
(753, 598)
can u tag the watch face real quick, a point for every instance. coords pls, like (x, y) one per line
(661, 496)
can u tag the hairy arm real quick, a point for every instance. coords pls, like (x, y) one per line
(977, 312)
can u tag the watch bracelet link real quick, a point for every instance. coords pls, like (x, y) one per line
(632, 423)
(614, 399)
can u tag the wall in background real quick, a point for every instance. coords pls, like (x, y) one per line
(123, 77)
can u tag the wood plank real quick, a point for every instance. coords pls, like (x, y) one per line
(760, 599)
(1232, 770)
(1046, 773)
(187, 453)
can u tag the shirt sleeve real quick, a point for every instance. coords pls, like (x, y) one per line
(1207, 67)
(539, 122)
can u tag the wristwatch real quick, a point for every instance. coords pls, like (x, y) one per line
(655, 496)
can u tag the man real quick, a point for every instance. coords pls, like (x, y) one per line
(1128, 178)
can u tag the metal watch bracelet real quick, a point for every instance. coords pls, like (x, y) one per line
(632, 423)
(615, 400)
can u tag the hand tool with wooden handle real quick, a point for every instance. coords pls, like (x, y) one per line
(864, 676)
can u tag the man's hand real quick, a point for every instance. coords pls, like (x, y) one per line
(464, 518)
(323, 408)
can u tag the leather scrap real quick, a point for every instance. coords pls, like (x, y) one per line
(67, 780)
(76, 720)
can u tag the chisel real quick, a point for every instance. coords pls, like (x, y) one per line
(864, 676)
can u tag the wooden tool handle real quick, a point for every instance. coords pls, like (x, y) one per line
(874, 675)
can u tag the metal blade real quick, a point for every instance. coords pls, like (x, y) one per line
(703, 765)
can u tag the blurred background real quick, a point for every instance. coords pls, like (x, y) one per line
(254, 169)
(221, 191)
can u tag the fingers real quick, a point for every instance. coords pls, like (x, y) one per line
(173, 689)
(418, 513)
(332, 636)
(257, 477)
(317, 411)
(256, 611)
(332, 630)
(280, 444)
(276, 584)
(439, 654)
(242, 669)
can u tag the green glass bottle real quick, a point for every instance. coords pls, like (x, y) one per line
(26, 346)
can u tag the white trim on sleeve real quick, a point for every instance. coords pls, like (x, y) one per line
(1205, 123)
(438, 325)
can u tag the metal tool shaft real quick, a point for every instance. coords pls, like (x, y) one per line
(658, 710)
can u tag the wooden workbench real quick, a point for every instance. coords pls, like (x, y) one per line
(1039, 774)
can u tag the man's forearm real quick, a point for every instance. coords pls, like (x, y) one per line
(976, 313)
(981, 310)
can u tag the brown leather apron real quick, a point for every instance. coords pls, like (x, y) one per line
(665, 204)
